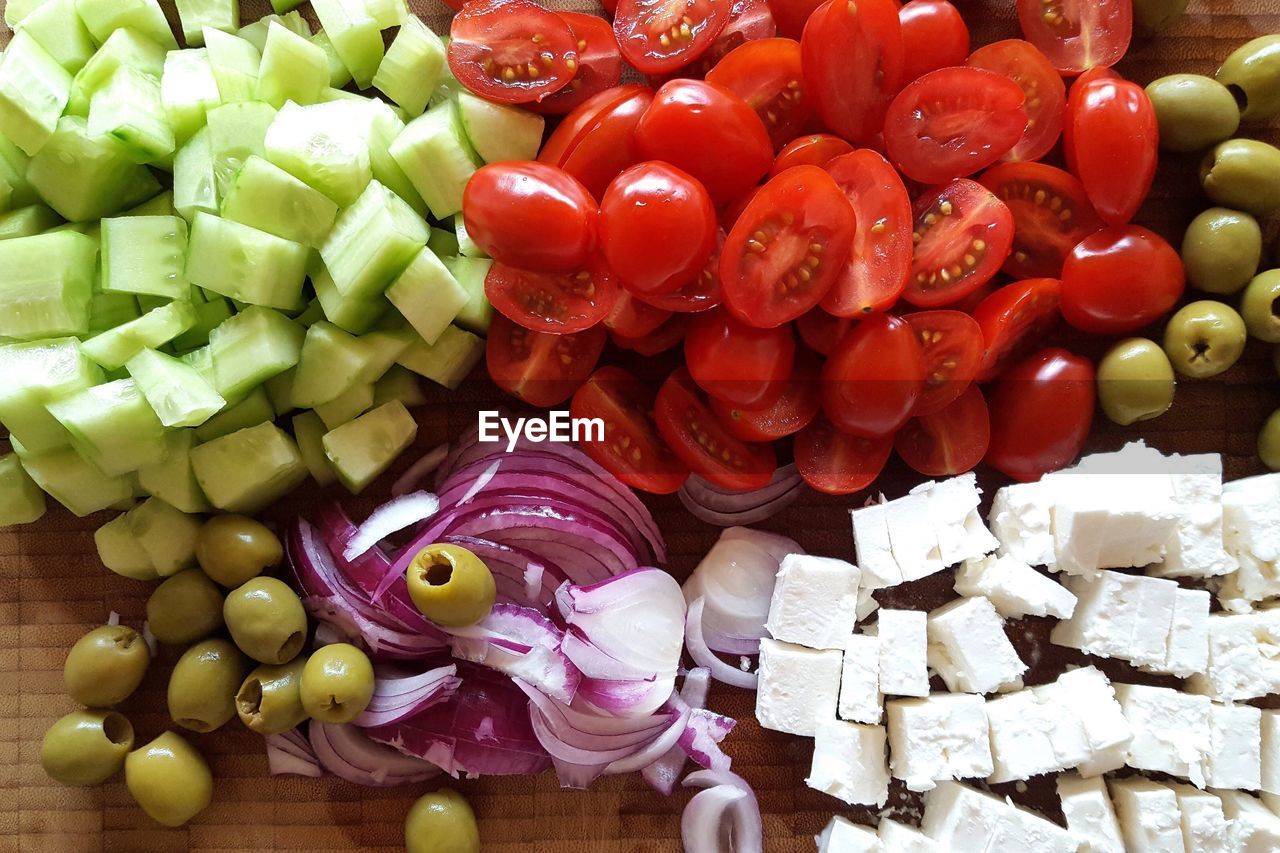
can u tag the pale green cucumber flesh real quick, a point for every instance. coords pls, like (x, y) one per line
(364, 448)
(248, 470)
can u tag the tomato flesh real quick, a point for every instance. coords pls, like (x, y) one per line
(836, 463)
(794, 409)
(792, 15)
(599, 64)
(511, 51)
(816, 149)
(596, 140)
(934, 35)
(1015, 318)
(1119, 280)
(661, 339)
(1051, 214)
(1112, 145)
(821, 331)
(632, 318)
(540, 369)
(874, 377)
(962, 236)
(530, 215)
(1041, 411)
(736, 363)
(659, 36)
(700, 293)
(853, 59)
(1078, 34)
(559, 303)
(1046, 94)
(950, 441)
(766, 74)
(951, 342)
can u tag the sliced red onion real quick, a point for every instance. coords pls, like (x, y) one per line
(725, 816)
(703, 656)
(290, 754)
(663, 774)
(113, 618)
(737, 577)
(421, 470)
(479, 483)
(655, 750)
(394, 515)
(777, 545)
(381, 642)
(725, 508)
(348, 753)
(513, 568)
(523, 644)
(398, 694)
(701, 738)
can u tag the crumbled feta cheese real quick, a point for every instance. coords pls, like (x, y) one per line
(942, 736)
(1271, 752)
(1170, 730)
(912, 537)
(1032, 734)
(1187, 646)
(1091, 819)
(1251, 534)
(1106, 521)
(1150, 820)
(1088, 694)
(814, 601)
(963, 820)
(1204, 827)
(1119, 615)
(798, 687)
(1235, 747)
(904, 642)
(899, 838)
(849, 763)
(860, 698)
(1015, 588)
(969, 649)
(953, 507)
(875, 553)
(842, 835)
(1196, 549)
(1021, 521)
(866, 602)
(1254, 827)
(1244, 656)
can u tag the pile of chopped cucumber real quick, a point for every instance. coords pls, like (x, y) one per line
(224, 266)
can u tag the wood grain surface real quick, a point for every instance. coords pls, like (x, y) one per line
(52, 589)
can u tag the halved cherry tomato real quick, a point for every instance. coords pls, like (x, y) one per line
(853, 57)
(837, 463)
(513, 51)
(792, 15)
(950, 441)
(1051, 214)
(596, 140)
(816, 149)
(797, 406)
(599, 64)
(699, 293)
(1046, 94)
(787, 248)
(691, 430)
(541, 369)
(954, 122)
(658, 36)
(730, 212)
(749, 20)
(1112, 142)
(709, 132)
(739, 364)
(632, 450)
(632, 318)
(880, 260)
(1041, 410)
(559, 303)
(657, 227)
(1078, 34)
(531, 215)
(964, 235)
(1016, 318)
(1119, 280)
(934, 35)
(766, 74)
(821, 331)
(659, 340)
(874, 377)
(952, 346)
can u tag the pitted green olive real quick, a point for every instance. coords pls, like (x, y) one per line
(1243, 174)
(1260, 307)
(337, 683)
(1252, 73)
(202, 688)
(441, 822)
(232, 549)
(1204, 339)
(450, 585)
(1222, 250)
(169, 779)
(1194, 112)
(266, 619)
(185, 608)
(1135, 381)
(270, 699)
(1269, 442)
(105, 666)
(86, 747)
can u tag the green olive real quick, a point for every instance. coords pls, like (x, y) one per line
(1222, 250)
(1154, 16)
(1204, 339)
(266, 620)
(86, 747)
(1194, 112)
(1269, 442)
(337, 683)
(450, 585)
(105, 666)
(1260, 307)
(202, 688)
(1135, 381)
(1243, 174)
(169, 779)
(1252, 74)
(233, 549)
(270, 699)
(185, 608)
(441, 822)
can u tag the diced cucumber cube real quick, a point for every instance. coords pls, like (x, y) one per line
(27, 221)
(103, 17)
(470, 273)
(443, 242)
(13, 170)
(84, 177)
(235, 65)
(339, 76)
(145, 254)
(386, 125)
(180, 396)
(332, 361)
(256, 33)
(449, 360)
(427, 295)
(160, 204)
(387, 13)
(252, 410)
(167, 535)
(500, 131)
(209, 315)
(112, 426)
(188, 90)
(251, 347)
(121, 552)
(244, 263)
(196, 15)
(293, 69)
(266, 197)
(47, 285)
(349, 313)
(383, 347)
(363, 449)
(342, 409)
(123, 48)
(411, 69)
(279, 389)
(195, 186)
(201, 359)
(466, 246)
(34, 88)
(172, 479)
(314, 312)
(74, 482)
(249, 469)
(21, 501)
(236, 133)
(398, 384)
(324, 145)
(355, 34)
(58, 29)
(372, 242)
(16, 11)
(128, 108)
(308, 431)
(437, 158)
(108, 310)
(38, 373)
(114, 347)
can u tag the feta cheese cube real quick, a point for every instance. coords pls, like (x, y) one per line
(961, 819)
(1270, 782)
(904, 643)
(875, 553)
(942, 736)
(798, 687)
(969, 649)
(866, 601)
(1235, 747)
(1170, 730)
(1244, 656)
(1187, 646)
(1015, 588)
(899, 838)
(1021, 521)
(1251, 534)
(1105, 522)
(1032, 734)
(849, 763)
(1150, 820)
(860, 698)
(1120, 616)
(1196, 549)
(912, 537)
(953, 506)
(842, 835)
(1087, 693)
(814, 601)
(1204, 827)
(1254, 827)
(1091, 819)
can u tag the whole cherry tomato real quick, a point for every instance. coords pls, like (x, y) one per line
(1111, 138)
(816, 149)
(766, 74)
(599, 64)
(693, 433)
(874, 377)
(530, 215)
(934, 35)
(1041, 411)
(962, 236)
(1015, 318)
(836, 463)
(1119, 280)
(1078, 34)
(852, 58)
(656, 38)
(1051, 214)
(596, 140)
(951, 342)
(1046, 94)
(950, 441)
(541, 369)
(492, 45)
(736, 363)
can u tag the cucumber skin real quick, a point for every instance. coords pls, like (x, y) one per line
(21, 501)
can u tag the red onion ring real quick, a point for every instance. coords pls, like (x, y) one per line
(290, 754)
(346, 752)
(725, 508)
(394, 515)
(704, 827)
(398, 695)
(703, 656)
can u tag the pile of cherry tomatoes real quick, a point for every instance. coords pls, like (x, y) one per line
(862, 182)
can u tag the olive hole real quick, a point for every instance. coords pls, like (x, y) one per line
(201, 726)
(1200, 350)
(1241, 96)
(250, 697)
(1275, 307)
(291, 646)
(118, 729)
(438, 574)
(126, 638)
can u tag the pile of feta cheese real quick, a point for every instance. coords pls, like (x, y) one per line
(1140, 542)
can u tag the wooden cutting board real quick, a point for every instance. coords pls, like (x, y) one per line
(52, 589)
